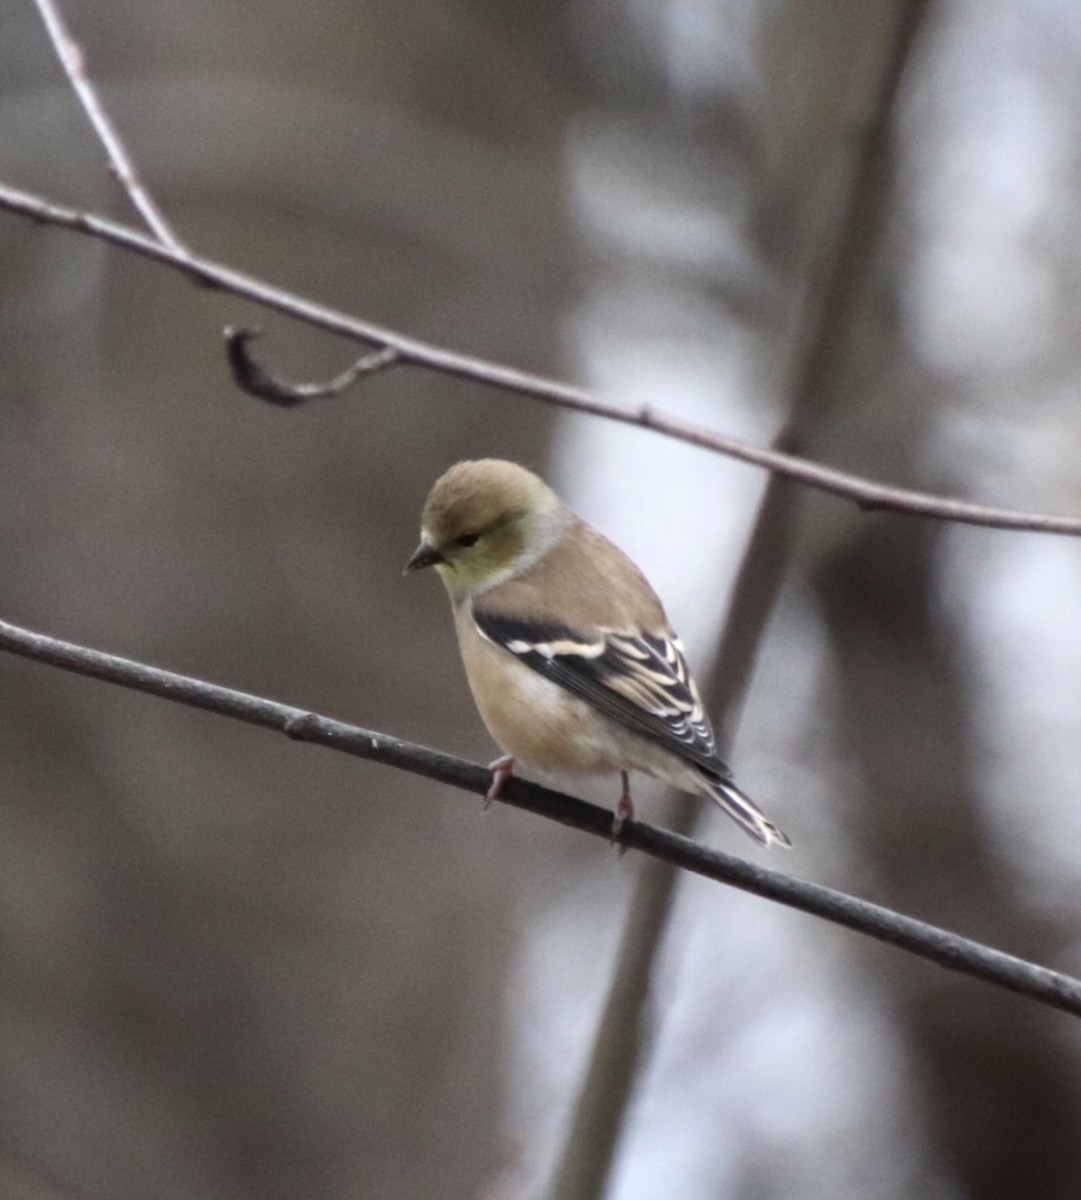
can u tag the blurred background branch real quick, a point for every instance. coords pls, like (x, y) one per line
(625, 1030)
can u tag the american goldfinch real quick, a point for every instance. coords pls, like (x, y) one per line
(568, 652)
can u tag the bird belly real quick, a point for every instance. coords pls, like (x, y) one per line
(536, 721)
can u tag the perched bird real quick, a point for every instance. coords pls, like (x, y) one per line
(569, 655)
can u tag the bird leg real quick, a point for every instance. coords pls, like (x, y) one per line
(624, 809)
(502, 770)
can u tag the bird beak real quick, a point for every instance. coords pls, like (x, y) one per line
(425, 555)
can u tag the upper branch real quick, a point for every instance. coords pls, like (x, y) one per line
(928, 941)
(408, 351)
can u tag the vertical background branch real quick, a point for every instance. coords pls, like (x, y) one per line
(624, 1032)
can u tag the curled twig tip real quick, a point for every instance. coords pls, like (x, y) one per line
(257, 381)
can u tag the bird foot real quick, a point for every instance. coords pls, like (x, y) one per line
(624, 811)
(502, 770)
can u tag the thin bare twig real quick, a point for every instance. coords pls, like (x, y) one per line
(123, 169)
(937, 945)
(257, 381)
(866, 493)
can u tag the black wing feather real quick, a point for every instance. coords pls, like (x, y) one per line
(641, 681)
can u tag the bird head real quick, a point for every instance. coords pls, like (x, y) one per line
(484, 522)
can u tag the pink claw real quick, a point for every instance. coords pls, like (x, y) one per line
(502, 770)
(624, 810)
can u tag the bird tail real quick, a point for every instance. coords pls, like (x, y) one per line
(743, 810)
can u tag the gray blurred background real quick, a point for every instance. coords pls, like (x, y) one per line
(235, 968)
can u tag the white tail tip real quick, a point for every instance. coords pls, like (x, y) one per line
(743, 810)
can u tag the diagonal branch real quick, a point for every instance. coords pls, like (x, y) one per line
(941, 946)
(73, 61)
(407, 351)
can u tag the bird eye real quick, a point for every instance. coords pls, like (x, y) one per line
(467, 540)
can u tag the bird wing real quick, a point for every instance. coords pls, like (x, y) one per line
(639, 680)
